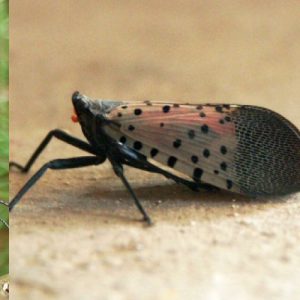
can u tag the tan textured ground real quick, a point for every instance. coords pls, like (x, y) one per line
(76, 235)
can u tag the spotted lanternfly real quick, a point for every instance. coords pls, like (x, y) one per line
(241, 148)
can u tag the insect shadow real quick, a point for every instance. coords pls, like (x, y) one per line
(176, 199)
(110, 204)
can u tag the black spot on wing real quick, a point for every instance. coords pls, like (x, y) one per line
(191, 133)
(131, 127)
(229, 184)
(206, 153)
(177, 143)
(153, 152)
(197, 174)
(137, 145)
(219, 108)
(138, 111)
(123, 139)
(194, 159)
(172, 161)
(223, 150)
(223, 166)
(166, 108)
(204, 128)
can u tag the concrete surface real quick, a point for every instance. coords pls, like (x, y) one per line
(76, 234)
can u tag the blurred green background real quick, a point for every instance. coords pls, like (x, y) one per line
(4, 149)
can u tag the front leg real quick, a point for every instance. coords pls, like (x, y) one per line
(60, 135)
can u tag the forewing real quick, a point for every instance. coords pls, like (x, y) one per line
(196, 140)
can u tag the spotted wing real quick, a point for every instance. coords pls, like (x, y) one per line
(246, 149)
(196, 140)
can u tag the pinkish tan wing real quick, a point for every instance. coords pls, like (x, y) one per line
(196, 140)
(246, 149)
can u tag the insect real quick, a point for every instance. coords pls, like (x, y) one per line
(244, 149)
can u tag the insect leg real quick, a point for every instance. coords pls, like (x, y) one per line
(195, 186)
(137, 160)
(118, 168)
(153, 169)
(61, 135)
(57, 164)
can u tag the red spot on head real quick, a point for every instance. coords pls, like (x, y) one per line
(74, 117)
